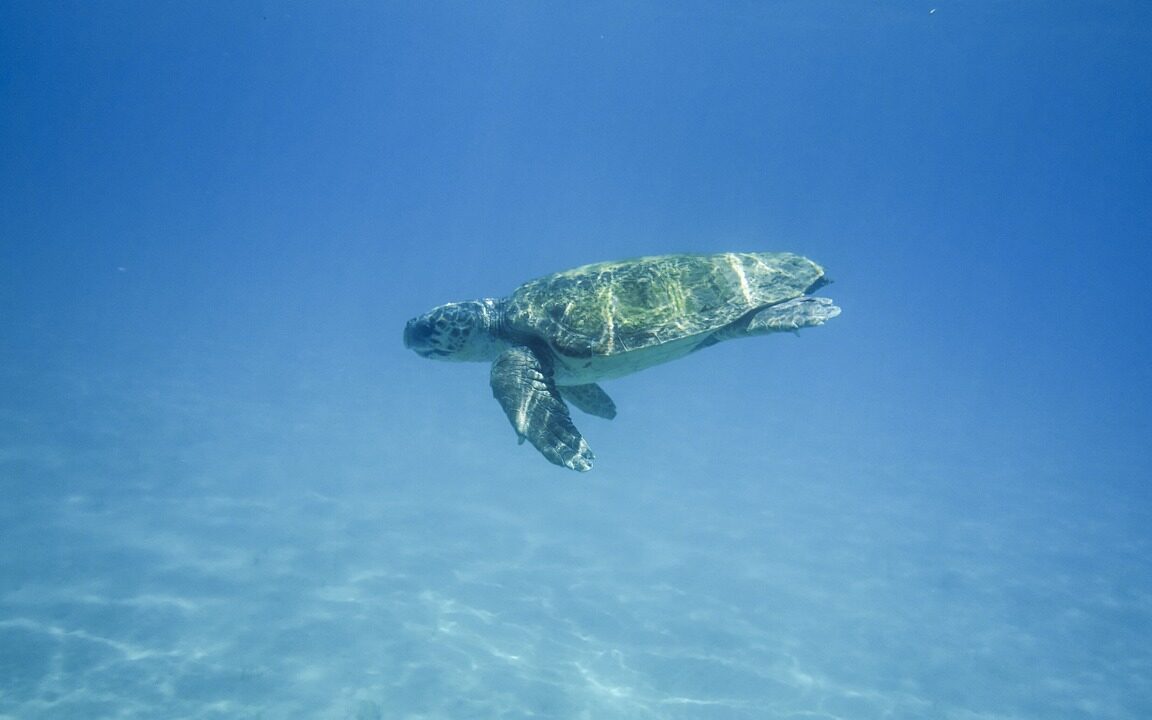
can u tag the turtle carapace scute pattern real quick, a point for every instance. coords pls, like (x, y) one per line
(555, 337)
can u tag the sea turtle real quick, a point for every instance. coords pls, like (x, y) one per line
(553, 338)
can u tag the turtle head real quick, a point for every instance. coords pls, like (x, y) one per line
(456, 331)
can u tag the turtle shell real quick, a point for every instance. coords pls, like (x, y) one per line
(612, 308)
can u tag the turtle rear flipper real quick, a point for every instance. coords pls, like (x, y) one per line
(590, 398)
(792, 315)
(523, 386)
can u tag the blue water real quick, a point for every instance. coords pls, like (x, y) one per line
(228, 490)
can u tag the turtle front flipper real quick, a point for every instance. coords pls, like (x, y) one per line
(524, 387)
(590, 398)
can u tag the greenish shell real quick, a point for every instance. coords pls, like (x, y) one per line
(613, 308)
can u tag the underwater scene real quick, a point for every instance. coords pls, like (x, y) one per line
(311, 407)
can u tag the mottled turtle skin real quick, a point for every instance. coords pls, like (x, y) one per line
(554, 337)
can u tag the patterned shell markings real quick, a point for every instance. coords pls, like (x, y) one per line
(616, 307)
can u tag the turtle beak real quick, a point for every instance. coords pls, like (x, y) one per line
(419, 338)
(416, 334)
